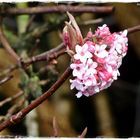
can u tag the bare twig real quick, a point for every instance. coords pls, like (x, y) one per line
(37, 41)
(4, 80)
(21, 114)
(55, 128)
(93, 21)
(6, 44)
(57, 9)
(14, 108)
(30, 22)
(11, 98)
(133, 29)
(83, 134)
(47, 56)
(54, 53)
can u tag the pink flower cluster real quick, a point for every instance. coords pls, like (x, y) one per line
(96, 62)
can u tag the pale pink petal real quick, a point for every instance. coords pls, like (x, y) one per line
(78, 48)
(79, 94)
(102, 54)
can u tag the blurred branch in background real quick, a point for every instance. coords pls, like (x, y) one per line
(55, 128)
(11, 98)
(94, 21)
(57, 9)
(6, 44)
(4, 80)
(134, 29)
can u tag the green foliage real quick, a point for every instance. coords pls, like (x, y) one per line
(30, 85)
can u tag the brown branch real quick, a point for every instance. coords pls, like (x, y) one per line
(133, 29)
(6, 44)
(21, 114)
(47, 56)
(11, 98)
(37, 41)
(4, 80)
(57, 9)
(30, 22)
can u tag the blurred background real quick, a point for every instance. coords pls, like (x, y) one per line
(114, 112)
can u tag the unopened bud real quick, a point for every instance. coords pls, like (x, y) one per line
(72, 34)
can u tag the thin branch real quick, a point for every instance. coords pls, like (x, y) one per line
(8, 70)
(47, 56)
(4, 80)
(57, 9)
(11, 98)
(55, 128)
(14, 108)
(93, 21)
(30, 22)
(37, 41)
(21, 114)
(133, 29)
(56, 49)
(6, 44)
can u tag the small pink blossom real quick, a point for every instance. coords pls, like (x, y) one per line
(82, 53)
(102, 31)
(101, 51)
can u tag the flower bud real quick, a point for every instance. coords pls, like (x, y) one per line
(69, 36)
(72, 34)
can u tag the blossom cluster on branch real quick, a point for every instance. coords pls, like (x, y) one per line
(96, 60)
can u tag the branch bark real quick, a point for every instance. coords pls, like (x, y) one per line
(21, 114)
(133, 29)
(57, 9)
(46, 56)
